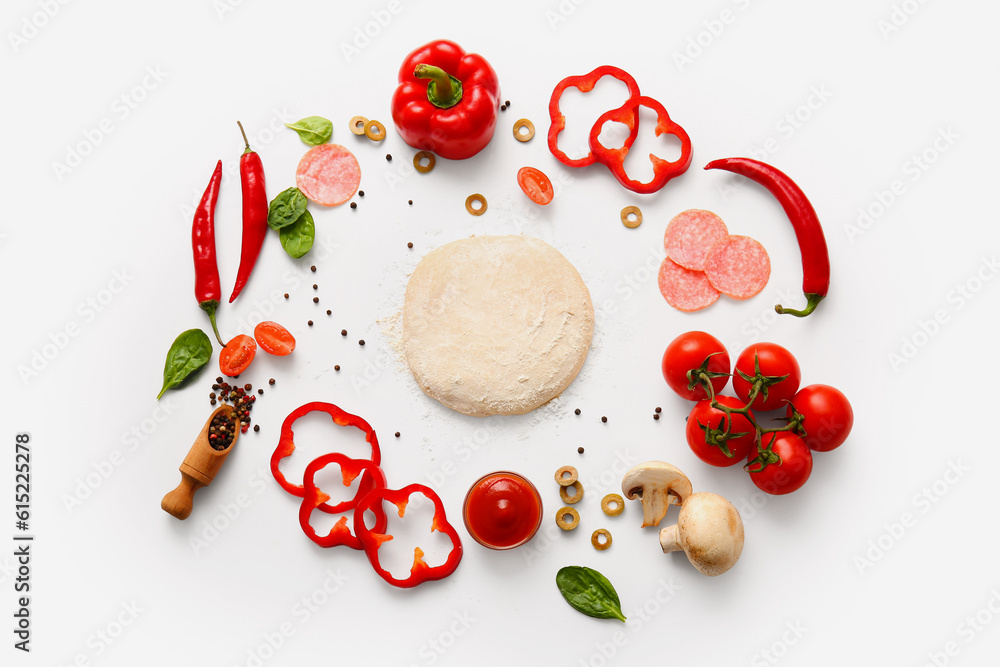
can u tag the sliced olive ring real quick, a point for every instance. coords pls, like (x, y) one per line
(595, 539)
(419, 157)
(475, 198)
(613, 499)
(577, 493)
(572, 522)
(375, 130)
(566, 475)
(630, 222)
(358, 125)
(524, 136)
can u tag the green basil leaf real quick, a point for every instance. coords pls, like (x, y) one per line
(188, 355)
(314, 130)
(589, 592)
(286, 208)
(297, 239)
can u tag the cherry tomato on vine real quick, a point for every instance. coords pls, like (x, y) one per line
(780, 371)
(786, 466)
(688, 352)
(237, 355)
(825, 416)
(536, 185)
(274, 338)
(705, 433)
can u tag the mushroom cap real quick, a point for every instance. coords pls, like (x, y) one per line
(659, 485)
(710, 531)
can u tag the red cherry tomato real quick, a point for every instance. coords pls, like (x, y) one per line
(237, 355)
(774, 362)
(827, 416)
(688, 352)
(274, 338)
(704, 426)
(788, 471)
(535, 184)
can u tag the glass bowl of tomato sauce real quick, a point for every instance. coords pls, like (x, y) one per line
(502, 510)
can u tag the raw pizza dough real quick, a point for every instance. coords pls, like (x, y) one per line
(496, 325)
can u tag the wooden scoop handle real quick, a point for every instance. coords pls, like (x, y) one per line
(180, 501)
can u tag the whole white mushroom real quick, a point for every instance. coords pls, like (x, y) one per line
(709, 530)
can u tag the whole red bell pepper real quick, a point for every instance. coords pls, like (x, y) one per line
(373, 538)
(447, 100)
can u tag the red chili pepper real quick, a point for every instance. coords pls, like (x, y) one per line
(286, 445)
(313, 498)
(254, 213)
(585, 83)
(373, 538)
(447, 100)
(808, 231)
(206, 269)
(614, 158)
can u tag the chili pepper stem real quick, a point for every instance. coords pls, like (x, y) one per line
(209, 307)
(812, 300)
(443, 90)
(247, 143)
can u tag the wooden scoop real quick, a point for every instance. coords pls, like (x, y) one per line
(199, 468)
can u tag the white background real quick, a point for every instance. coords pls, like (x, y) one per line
(882, 558)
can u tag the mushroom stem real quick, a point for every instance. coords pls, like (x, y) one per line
(670, 539)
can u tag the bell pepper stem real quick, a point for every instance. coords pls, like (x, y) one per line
(812, 300)
(443, 90)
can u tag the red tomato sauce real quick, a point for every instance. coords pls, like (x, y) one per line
(502, 510)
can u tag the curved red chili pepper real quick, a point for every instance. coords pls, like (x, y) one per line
(313, 498)
(254, 214)
(585, 83)
(808, 231)
(372, 538)
(614, 158)
(286, 445)
(206, 269)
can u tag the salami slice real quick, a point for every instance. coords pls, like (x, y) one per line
(691, 234)
(685, 289)
(738, 267)
(328, 174)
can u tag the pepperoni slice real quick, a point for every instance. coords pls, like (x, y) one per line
(691, 235)
(685, 289)
(328, 174)
(738, 267)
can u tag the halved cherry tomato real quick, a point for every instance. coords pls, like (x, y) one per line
(705, 428)
(786, 460)
(780, 371)
(688, 352)
(825, 416)
(535, 184)
(237, 355)
(274, 338)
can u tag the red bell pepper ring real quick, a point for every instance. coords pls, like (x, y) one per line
(585, 83)
(313, 498)
(373, 538)
(614, 158)
(286, 445)
(447, 100)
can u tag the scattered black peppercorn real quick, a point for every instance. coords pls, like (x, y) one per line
(354, 204)
(260, 391)
(315, 299)
(409, 245)
(656, 416)
(286, 295)
(361, 193)
(579, 450)
(315, 286)
(337, 367)
(343, 332)
(361, 342)
(577, 411)
(507, 102)
(410, 202)
(658, 410)
(388, 158)
(503, 107)
(604, 420)
(397, 434)
(310, 322)
(271, 381)
(256, 428)
(329, 312)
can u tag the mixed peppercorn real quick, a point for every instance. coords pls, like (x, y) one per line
(241, 398)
